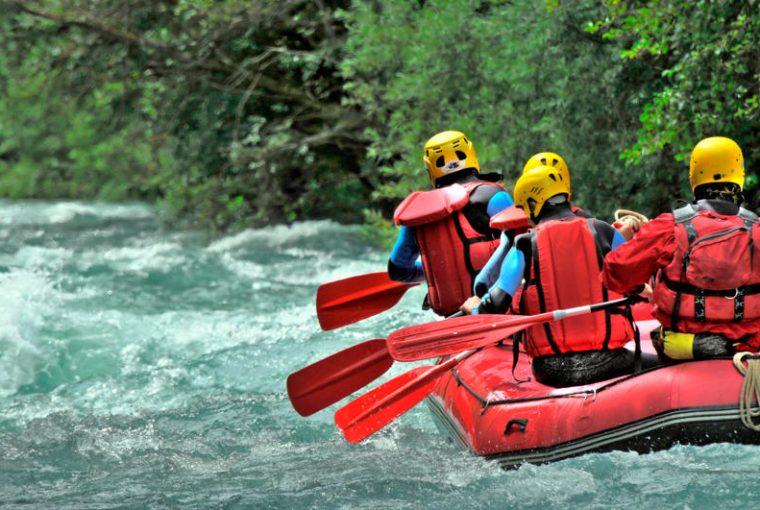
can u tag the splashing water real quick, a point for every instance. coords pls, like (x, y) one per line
(146, 368)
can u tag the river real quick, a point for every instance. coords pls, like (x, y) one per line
(145, 368)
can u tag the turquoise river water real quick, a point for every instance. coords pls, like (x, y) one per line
(145, 368)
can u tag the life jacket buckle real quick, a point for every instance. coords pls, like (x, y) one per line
(736, 294)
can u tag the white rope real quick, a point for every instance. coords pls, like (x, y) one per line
(750, 388)
(621, 213)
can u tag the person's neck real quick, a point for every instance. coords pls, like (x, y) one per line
(460, 177)
(560, 211)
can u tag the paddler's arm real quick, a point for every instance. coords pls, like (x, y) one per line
(631, 265)
(490, 272)
(404, 264)
(499, 297)
(500, 201)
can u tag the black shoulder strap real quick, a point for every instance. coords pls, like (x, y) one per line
(540, 288)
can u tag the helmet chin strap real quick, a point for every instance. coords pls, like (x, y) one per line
(721, 191)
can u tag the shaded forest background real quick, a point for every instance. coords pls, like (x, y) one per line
(235, 113)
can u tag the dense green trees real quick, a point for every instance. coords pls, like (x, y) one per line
(237, 112)
(229, 111)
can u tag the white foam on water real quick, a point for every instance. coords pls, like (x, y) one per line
(244, 268)
(26, 298)
(145, 256)
(29, 212)
(38, 257)
(277, 235)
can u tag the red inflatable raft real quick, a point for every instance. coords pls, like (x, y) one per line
(488, 411)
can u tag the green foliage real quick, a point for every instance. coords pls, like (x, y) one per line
(236, 112)
(230, 112)
(707, 54)
(520, 78)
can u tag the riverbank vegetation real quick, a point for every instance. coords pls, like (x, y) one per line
(239, 113)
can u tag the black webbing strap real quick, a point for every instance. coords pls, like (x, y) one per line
(687, 288)
(684, 215)
(636, 339)
(540, 289)
(605, 297)
(739, 305)
(516, 356)
(699, 306)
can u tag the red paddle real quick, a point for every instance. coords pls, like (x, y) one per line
(372, 411)
(436, 339)
(369, 413)
(346, 301)
(325, 382)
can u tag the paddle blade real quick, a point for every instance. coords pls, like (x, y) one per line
(327, 381)
(344, 302)
(440, 338)
(372, 411)
(511, 218)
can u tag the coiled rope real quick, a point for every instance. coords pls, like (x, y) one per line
(622, 213)
(748, 365)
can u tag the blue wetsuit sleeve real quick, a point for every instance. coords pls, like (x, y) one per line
(499, 297)
(617, 240)
(404, 264)
(511, 273)
(499, 202)
(487, 276)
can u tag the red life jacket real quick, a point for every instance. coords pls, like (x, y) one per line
(564, 269)
(452, 251)
(714, 275)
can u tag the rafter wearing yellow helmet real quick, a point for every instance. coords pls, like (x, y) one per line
(716, 160)
(549, 159)
(702, 255)
(445, 236)
(449, 152)
(537, 186)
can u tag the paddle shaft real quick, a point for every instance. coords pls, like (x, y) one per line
(436, 339)
(567, 312)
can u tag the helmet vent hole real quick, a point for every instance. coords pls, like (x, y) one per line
(461, 155)
(553, 177)
(543, 161)
(465, 140)
(717, 176)
(440, 162)
(554, 162)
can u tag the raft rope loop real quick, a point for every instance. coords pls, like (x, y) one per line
(750, 388)
(622, 213)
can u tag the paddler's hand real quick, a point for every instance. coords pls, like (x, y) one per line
(469, 305)
(647, 293)
(628, 226)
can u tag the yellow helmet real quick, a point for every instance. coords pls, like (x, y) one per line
(716, 159)
(548, 159)
(449, 152)
(538, 185)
